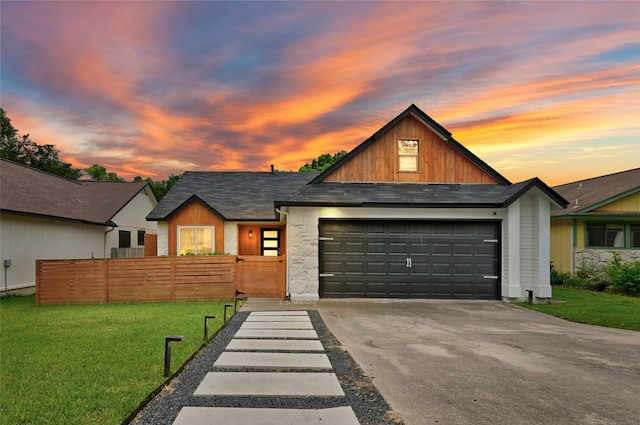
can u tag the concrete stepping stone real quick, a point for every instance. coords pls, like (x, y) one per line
(275, 345)
(272, 361)
(280, 313)
(278, 319)
(256, 416)
(273, 384)
(277, 333)
(276, 325)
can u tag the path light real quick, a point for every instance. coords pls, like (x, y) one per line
(206, 327)
(225, 310)
(167, 352)
(238, 295)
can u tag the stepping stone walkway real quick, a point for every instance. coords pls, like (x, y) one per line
(273, 354)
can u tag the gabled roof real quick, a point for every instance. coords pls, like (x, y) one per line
(416, 195)
(28, 191)
(235, 196)
(585, 196)
(434, 126)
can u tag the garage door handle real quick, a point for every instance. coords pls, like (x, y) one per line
(491, 277)
(326, 274)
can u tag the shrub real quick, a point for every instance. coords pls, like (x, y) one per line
(595, 279)
(623, 277)
(559, 278)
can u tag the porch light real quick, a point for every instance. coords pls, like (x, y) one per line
(250, 234)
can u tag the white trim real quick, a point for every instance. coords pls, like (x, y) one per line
(213, 236)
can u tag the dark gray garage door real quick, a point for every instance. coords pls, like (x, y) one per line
(409, 259)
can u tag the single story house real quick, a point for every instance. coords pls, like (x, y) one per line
(410, 212)
(43, 216)
(601, 219)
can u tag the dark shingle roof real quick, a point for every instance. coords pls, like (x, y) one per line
(236, 196)
(423, 195)
(25, 190)
(586, 195)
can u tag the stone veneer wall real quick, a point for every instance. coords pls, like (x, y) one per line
(600, 258)
(302, 254)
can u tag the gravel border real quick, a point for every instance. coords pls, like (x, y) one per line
(360, 393)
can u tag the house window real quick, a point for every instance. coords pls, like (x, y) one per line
(407, 155)
(635, 235)
(198, 240)
(613, 235)
(141, 237)
(124, 239)
(270, 242)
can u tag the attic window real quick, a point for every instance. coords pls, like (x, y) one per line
(407, 155)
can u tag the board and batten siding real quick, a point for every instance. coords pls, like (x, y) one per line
(27, 239)
(561, 246)
(437, 161)
(628, 204)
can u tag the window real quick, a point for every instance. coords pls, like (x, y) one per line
(635, 235)
(270, 244)
(196, 240)
(124, 239)
(407, 155)
(613, 235)
(141, 237)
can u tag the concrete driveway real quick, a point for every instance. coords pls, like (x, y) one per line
(470, 362)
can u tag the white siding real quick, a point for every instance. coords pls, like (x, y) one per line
(132, 218)
(26, 239)
(231, 237)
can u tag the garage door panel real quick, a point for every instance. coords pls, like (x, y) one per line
(448, 259)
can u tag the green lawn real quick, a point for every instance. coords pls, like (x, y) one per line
(90, 364)
(593, 308)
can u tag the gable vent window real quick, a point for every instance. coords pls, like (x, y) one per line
(408, 155)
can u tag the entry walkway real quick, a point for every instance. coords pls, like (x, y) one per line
(275, 353)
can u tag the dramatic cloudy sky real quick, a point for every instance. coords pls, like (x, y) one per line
(548, 89)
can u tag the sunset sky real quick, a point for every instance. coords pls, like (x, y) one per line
(536, 89)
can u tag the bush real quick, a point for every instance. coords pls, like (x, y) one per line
(594, 278)
(623, 278)
(559, 278)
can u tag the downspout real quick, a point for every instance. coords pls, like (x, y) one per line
(113, 227)
(288, 294)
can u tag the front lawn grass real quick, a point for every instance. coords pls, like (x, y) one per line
(593, 308)
(90, 364)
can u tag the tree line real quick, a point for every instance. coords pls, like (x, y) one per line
(21, 149)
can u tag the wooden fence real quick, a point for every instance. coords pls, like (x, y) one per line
(156, 279)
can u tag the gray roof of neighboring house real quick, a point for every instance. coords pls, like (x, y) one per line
(419, 195)
(235, 196)
(28, 191)
(584, 196)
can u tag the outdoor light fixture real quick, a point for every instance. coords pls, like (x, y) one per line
(250, 234)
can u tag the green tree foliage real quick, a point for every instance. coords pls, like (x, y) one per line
(23, 150)
(160, 188)
(323, 162)
(99, 173)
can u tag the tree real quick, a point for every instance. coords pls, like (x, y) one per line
(99, 173)
(23, 150)
(323, 162)
(159, 188)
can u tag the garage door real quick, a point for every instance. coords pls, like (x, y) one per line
(409, 259)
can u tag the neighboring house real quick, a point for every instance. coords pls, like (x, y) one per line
(602, 219)
(408, 213)
(43, 216)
